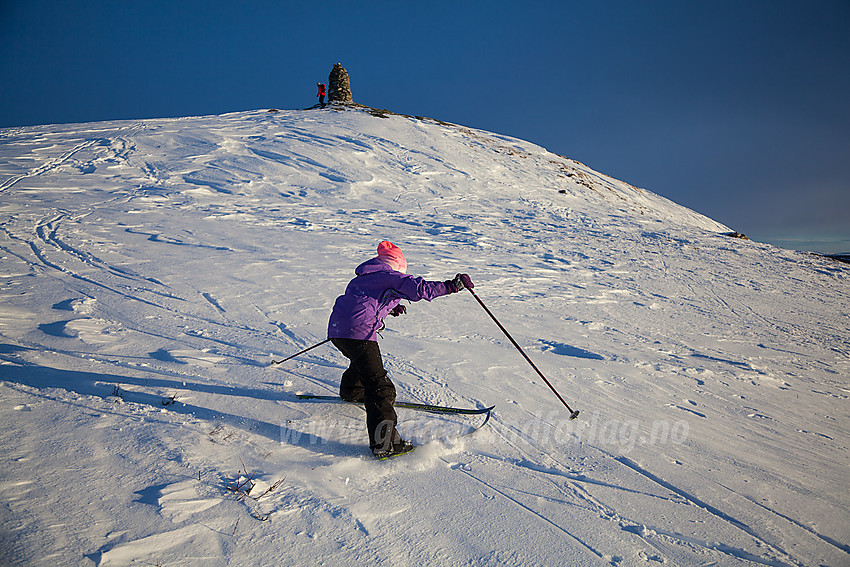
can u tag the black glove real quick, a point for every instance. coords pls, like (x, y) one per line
(398, 310)
(460, 282)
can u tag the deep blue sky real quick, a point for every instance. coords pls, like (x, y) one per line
(737, 109)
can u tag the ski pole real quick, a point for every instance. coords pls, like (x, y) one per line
(573, 414)
(298, 353)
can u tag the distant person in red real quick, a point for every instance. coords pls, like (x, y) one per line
(322, 92)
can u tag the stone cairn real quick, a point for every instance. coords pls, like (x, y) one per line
(339, 87)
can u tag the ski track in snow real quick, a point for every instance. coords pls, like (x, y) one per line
(151, 270)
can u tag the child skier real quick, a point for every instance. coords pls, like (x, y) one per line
(377, 290)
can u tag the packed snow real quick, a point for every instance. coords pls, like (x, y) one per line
(152, 270)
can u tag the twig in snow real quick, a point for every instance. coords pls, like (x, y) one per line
(270, 489)
(238, 487)
(244, 484)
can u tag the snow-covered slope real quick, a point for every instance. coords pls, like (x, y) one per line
(150, 271)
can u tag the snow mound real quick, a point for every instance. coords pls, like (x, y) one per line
(152, 269)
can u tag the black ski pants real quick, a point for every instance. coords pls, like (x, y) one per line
(366, 381)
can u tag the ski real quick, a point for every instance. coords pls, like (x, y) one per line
(394, 455)
(413, 406)
(405, 405)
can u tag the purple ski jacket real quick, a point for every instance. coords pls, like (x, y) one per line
(360, 312)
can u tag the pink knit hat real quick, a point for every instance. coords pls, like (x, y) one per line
(391, 255)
